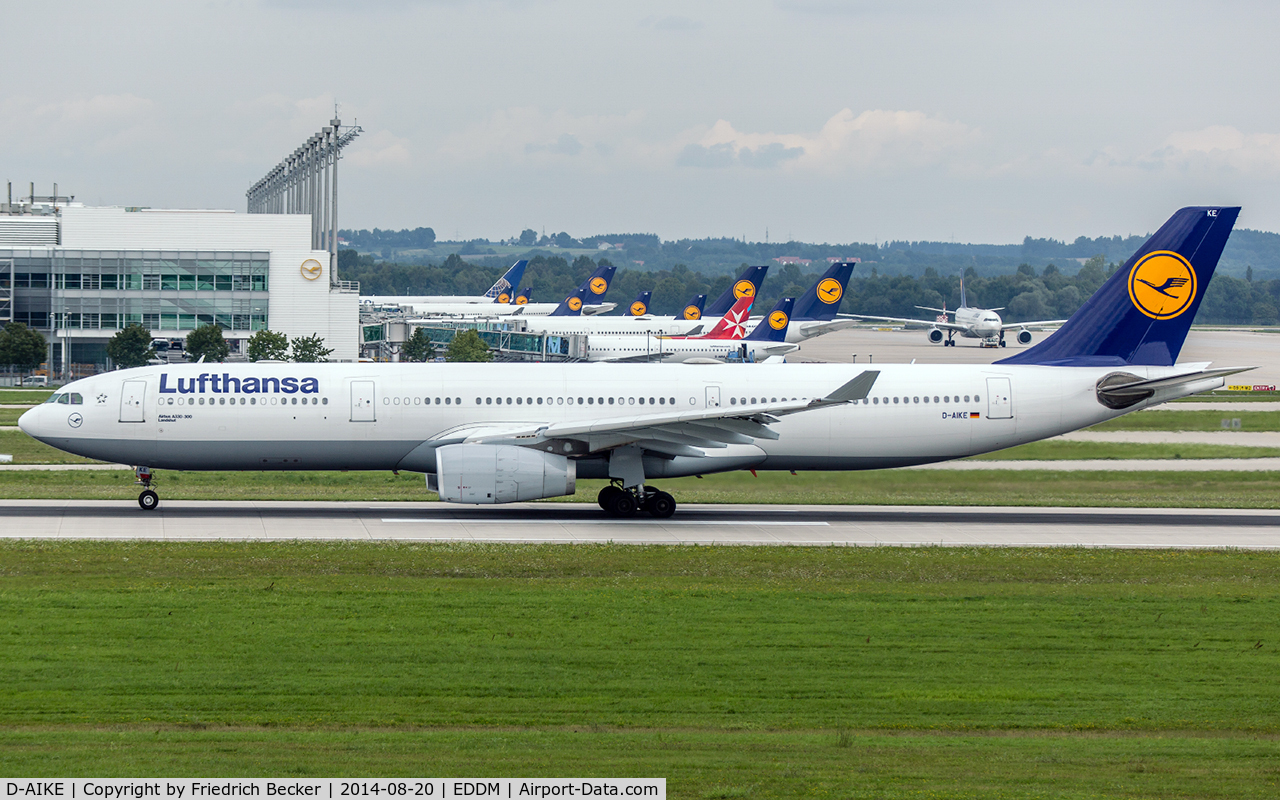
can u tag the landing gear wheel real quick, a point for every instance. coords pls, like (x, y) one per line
(622, 504)
(661, 505)
(1002, 344)
(606, 496)
(148, 500)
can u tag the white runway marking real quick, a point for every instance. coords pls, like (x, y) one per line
(468, 521)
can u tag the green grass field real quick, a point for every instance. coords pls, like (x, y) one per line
(1191, 421)
(731, 671)
(25, 396)
(26, 450)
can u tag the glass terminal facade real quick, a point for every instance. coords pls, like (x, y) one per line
(61, 292)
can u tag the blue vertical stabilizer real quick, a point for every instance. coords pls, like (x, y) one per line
(508, 282)
(748, 283)
(1142, 313)
(773, 328)
(822, 301)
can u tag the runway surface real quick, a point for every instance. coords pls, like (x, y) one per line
(692, 525)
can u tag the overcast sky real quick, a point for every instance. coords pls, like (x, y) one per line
(821, 120)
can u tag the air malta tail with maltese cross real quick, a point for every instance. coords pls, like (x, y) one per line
(734, 323)
(591, 292)
(1141, 315)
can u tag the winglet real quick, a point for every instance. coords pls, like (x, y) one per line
(854, 390)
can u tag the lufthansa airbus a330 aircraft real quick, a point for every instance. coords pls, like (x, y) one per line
(500, 433)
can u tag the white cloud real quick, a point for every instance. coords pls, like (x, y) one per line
(1220, 148)
(671, 23)
(102, 123)
(379, 149)
(518, 134)
(870, 140)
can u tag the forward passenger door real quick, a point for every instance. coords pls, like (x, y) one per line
(133, 397)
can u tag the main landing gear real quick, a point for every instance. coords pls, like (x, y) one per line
(148, 500)
(619, 502)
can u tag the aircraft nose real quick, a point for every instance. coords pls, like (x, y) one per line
(27, 422)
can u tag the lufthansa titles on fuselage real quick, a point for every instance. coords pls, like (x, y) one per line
(229, 384)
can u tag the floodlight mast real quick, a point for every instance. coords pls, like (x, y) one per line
(306, 182)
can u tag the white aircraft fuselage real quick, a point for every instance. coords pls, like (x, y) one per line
(978, 323)
(492, 309)
(393, 416)
(674, 351)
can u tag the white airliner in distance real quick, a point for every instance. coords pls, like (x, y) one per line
(969, 322)
(500, 292)
(500, 301)
(689, 323)
(499, 433)
(727, 340)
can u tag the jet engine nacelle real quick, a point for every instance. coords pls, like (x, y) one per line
(490, 473)
(935, 335)
(1024, 336)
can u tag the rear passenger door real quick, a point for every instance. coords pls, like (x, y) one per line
(363, 402)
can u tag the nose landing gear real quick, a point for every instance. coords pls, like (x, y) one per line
(148, 499)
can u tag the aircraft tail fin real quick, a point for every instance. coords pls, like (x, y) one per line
(1141, 314)
(822, 301)
(963, 303)
(733, 324)
(773, 328)
(522, 299)
(592, 290)
(748, 283)
(693, 308)
(509, 280)
(640, 306)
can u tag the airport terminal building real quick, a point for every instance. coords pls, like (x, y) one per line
(79, 274)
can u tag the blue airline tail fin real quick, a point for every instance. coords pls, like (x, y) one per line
(773, 328)
(592, 290)
(509, 281)
(693, 308)
(640, 306)
(522, 299)
(1141, 314)
(748, 283)
(822, 301)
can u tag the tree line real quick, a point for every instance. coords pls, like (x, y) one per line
(1025, 294)
(1246, 249)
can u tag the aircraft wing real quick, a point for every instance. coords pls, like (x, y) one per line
(672, 432)
(1008, 326)
(924, 323)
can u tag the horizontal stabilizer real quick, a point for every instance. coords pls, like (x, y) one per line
(1143, 387)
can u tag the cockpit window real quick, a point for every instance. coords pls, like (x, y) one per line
(54, 398)
(77, 399)
(64, 398)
